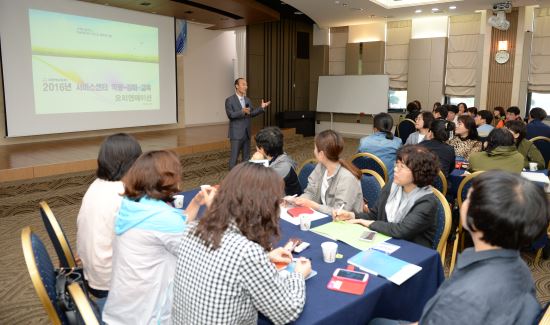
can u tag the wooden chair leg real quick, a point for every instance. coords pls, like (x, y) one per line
(455, 249)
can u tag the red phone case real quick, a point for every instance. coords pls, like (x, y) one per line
(347, 286)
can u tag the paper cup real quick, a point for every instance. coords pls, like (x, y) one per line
(204, 187)
(178, 201)
(305, 222)
(329, 251)
(532, 166)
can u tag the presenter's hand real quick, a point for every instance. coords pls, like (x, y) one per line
(280, 255)
(246, 111)
(265, 104)
(303, 265)
(342, 215)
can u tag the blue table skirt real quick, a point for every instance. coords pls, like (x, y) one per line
(381, 298)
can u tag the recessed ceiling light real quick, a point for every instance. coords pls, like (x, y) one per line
(298, 13)
(344, 4)
(435, 9)
(452, 7)
(417, 11)
(337, 2)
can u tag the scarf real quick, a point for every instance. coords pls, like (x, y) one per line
(399, 203)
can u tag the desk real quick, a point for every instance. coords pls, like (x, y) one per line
(381, 298)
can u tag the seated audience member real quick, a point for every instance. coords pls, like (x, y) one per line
(436, 104)
(525, 147)
(466, 140)
(441, 112)
(512, 113)
(500, 117)
(225, 272)
(269, 145)
(418, 104)
(472, 111)
(382, 143)
(412, 110)
(100, 204)
(407, 207)
(500, 153)
(334, 181)
(503, 213)
(436, 142)
(423, 122)
(452, 113)
(483, 121)
(536, 126)
(148, 232)
(462, 109)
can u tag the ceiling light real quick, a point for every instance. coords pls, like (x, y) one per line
(417, 11)
(435, 9)
(452, 7)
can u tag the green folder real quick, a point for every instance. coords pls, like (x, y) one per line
(348, 233)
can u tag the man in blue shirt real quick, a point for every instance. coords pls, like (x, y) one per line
(536, 126)
(483, 121)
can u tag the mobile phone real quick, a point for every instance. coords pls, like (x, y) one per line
(367, 235)
(292, 243)
(351, 275)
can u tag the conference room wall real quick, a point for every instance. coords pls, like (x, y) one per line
(191, 104)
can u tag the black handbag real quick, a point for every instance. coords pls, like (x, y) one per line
(64, 277)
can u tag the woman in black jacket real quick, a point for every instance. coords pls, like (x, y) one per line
(436, 141)
(407, 208)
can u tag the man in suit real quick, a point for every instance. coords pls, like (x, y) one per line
(239, 110)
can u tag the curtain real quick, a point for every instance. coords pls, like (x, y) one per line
(539, 71)
(397, 53)
(463, 49)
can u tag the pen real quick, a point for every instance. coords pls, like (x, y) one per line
(340, 209)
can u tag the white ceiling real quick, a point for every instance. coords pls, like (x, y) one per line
(334, 13)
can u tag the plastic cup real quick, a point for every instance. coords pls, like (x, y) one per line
(178, 201)
(329, 251)
(305, 222)
(532, 166)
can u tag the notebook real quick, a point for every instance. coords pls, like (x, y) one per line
(389, 267)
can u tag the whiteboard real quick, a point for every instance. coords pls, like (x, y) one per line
(353, 94)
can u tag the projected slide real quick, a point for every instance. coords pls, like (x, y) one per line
(82, 64)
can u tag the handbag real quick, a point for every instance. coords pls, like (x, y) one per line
(64, 277)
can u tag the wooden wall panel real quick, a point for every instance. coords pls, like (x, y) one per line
(318, 66)
(499, 90)
(373, 55)
(276, 74)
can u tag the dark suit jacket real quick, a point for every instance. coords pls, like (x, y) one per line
(239, 123)
(418, 226)
(537, 128)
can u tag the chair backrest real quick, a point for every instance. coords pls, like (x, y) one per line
(57, 236)
(545, 319)
(85, 310)
(364, 160)
(543, 144)
(304, 171)
(188, 197)
(464, 186)
(440, 183)
(42, 274)
(444, 220)
(405, 128)
(371, 185)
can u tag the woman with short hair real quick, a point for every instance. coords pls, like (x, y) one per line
(406, 208)
(500, 153)
(225, 272)
(436, 141)
(422, 124)
(148, 232)
(334, 182)
(100, 205)
(466, 140)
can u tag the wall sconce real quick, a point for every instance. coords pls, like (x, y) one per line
(502, 56)
(503, 45)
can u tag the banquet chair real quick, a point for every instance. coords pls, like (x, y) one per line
(304, 171)
(364, 160)
(444, 221)
(86, 312)
(545, 320)
(462, 193)
(404, 129)
(371, 185)
(440, 183)
(43, 275)
(57, 236)
(543, 144)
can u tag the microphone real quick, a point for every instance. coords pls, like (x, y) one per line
(246, 105)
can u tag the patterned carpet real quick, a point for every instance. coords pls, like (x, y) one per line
(19, 303)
